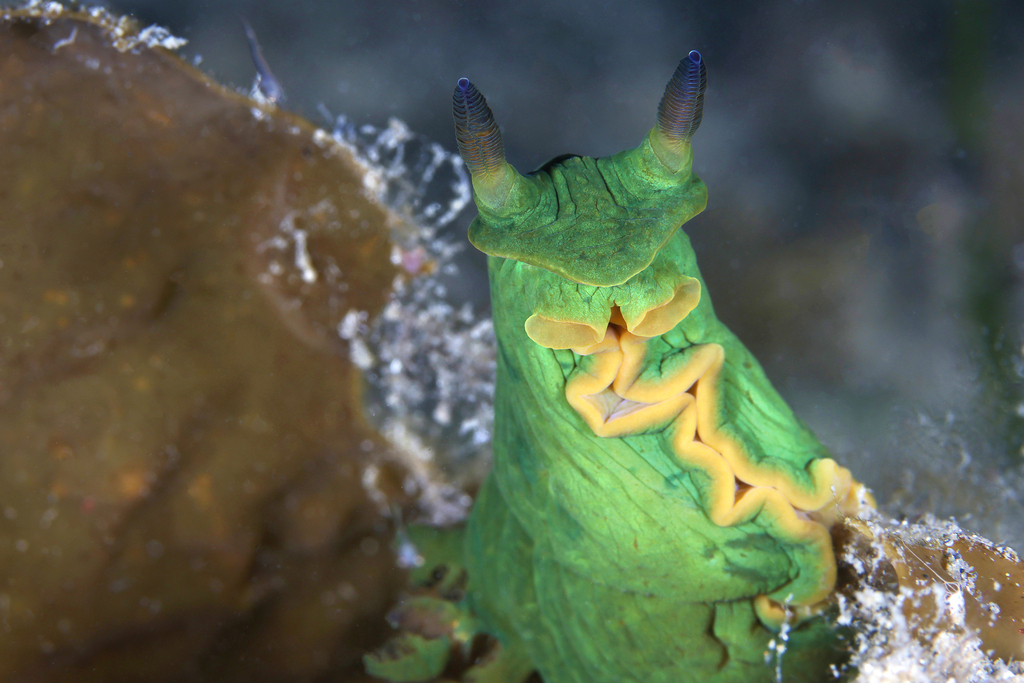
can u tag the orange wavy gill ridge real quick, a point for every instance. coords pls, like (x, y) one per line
(607, 391)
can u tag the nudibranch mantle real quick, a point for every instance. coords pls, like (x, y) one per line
(655, 510)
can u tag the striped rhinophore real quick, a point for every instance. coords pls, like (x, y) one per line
(682, 106)
(475, 130)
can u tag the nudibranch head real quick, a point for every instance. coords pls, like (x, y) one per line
(595, 222)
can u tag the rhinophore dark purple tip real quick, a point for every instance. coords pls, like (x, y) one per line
(475, 130)
(682, 106)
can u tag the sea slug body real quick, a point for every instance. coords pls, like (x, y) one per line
(655, 511)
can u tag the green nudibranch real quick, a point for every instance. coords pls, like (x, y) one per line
(656, 512)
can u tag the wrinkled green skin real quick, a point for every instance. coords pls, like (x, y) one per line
(594, 555)
(592, 559)
(549, 549)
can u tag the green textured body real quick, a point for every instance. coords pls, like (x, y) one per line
(656, 512)
(595, 555)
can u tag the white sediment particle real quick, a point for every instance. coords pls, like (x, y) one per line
(371, 473)
(360, 354)
(780, 650)
(63, 42)
(442, 413)
(408, 556)
(374, 184)
(349, 326)
(322, 138)
(277, 242)
(302, 260)
(955, 607)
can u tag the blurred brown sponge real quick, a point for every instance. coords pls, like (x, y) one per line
(182, 450)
